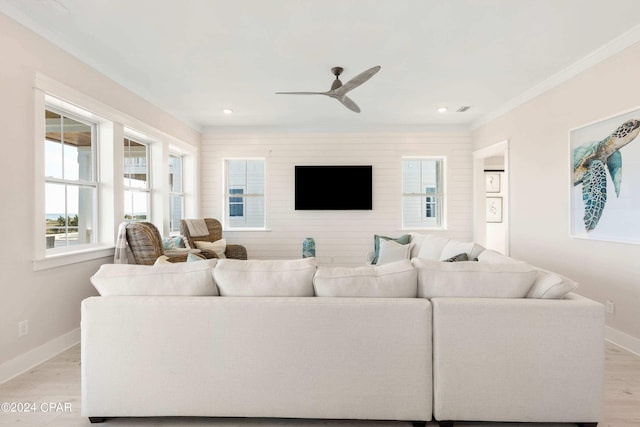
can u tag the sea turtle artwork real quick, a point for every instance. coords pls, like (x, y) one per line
(590, 164)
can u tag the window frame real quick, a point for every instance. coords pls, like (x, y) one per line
(93, 183)
(112, 125)
(227, 195)
(180, 194)
(437, 198)
(148, 189)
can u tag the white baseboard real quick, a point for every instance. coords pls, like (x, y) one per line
(623, 340)
(26, 361)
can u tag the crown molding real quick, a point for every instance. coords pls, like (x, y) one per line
(608, 50)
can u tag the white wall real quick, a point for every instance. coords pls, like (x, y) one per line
(342, 237)
(539, 169)
(48, 299)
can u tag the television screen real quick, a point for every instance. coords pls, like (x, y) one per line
(333, 188)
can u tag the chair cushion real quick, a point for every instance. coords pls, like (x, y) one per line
(393, 280)
(265, 278)
(178, 279)
(219, 247)
(473, 279)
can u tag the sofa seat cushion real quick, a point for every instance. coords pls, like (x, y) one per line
(393, 280)
(473, 279)
(176, 279)
(265, 278)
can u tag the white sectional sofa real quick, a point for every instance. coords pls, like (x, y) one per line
(290, 339)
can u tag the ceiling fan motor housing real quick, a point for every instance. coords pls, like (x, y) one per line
(336, 72)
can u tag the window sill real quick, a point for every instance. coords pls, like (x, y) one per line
(425, 229)
(245, 229)
(61, 259)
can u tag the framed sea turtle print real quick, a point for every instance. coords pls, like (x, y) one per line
(605, 179)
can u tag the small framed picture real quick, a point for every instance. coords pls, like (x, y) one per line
(494, 209)
(492, 182)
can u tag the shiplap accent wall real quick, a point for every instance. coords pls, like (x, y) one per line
(342, 237)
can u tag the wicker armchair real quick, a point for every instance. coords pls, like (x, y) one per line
(146, 244)
(215, 233)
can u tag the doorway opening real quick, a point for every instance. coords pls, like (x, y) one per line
(491, 197)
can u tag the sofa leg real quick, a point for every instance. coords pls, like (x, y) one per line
(95, 420)
(445, 423)
(586, 424)
(419, 423)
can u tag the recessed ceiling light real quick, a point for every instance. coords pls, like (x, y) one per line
(227, 111)
(442, 109)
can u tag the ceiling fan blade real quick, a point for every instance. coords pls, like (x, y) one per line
(348, 102)
(301, 93)
(357, 80)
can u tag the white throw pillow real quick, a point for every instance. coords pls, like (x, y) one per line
(431, 247)
(456, 247)
(490, 256)
(162, 259)
(219, 247)
(393, 280)
(265, 278)
(416, 239)
(180, 279)
(549, 285)
(391, 251)
(473, 279)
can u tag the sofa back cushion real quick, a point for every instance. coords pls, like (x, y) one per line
(473, 279)
(550, 285)
(265, 278)
(177, 279)
(392, 280)
(428, 246)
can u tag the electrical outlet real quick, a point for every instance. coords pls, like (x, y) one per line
(23, 328)
(611, 307)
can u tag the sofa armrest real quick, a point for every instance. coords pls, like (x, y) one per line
(518, 359)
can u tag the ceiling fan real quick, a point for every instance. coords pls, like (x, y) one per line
(339, 90)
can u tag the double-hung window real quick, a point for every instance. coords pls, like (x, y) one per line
(176, 192)
(71, 187)
(244, 198)
(137, 191)
(422, 193)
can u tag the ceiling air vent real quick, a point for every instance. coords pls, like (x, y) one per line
(463, 108)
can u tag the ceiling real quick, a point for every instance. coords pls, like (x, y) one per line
(194, 58)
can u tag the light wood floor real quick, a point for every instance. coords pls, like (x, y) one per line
(57, 382)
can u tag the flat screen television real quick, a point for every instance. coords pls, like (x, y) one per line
(333, 188)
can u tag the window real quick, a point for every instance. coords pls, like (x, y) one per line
(236, 204)
(176, 193)
(430, 203)
(422, 193)
(136, 181)
(245, 193)
(70, 148)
